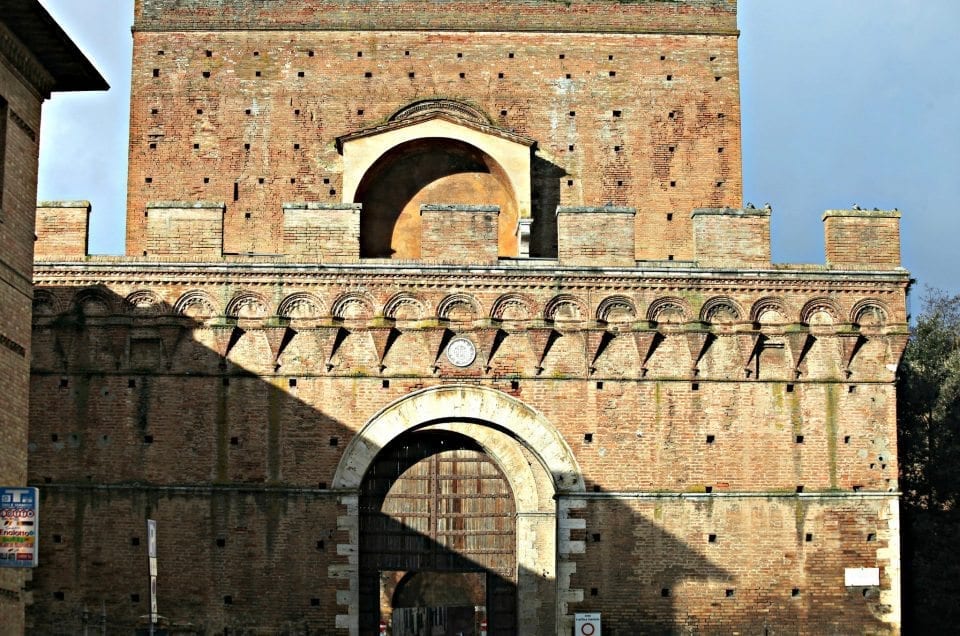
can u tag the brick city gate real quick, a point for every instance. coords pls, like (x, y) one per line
(437, 539)
(426, 451)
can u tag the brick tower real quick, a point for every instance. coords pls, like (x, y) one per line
(441, 313)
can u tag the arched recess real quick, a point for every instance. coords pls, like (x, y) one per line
(430, 170)
(439, 152)
(530, 453)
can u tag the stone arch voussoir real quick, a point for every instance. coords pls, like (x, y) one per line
(451, 403)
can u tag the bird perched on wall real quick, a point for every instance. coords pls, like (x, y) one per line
(855, 207)
(767, 207)
(751, 206)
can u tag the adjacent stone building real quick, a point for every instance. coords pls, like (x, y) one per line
(449, 314)
(36, 58)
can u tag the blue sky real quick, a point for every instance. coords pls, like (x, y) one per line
(844, 101)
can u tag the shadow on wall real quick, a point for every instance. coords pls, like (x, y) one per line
(139, 412)
(545, 182)
(427, 171)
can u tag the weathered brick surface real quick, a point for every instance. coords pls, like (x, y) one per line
(696, 441)
(614, 122)
(36, 57)
(751, 565)
(596, 236)
(325, 232)
(459, 233)
(240, 540)
(731, 238)
(178, 414)
(687, 16)
(862, 239)
(19, 191)
(184, 229)
(63, 229)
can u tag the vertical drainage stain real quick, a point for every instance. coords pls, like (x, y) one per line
(831, 423)
(275, 395)
(222, 432)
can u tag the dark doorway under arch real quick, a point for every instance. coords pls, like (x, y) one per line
(436, 510)
(430, 170)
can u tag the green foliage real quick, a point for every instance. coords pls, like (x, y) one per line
(928, 395)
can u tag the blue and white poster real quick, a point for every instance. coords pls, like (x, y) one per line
(19, 508)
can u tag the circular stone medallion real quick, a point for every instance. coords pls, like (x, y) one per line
(461, 352)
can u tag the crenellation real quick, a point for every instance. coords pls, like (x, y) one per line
(191, 230)
(62, 230)
(862, 239)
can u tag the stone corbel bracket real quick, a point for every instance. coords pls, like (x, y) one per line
(541, 341)
(647, 341)
(699, 340)
(800, 342)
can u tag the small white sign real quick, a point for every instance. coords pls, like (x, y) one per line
(151, 538)
(586, 624)
(861, 577)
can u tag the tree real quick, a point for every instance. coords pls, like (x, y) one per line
(928, 421)
(928, 397)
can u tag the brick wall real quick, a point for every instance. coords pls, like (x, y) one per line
(326, 232)
(648, 120)
(459, 233)
(731, 238)
(731, 440)
(693, 16)
(235, 432)
(62, 229)
(786, 555)
(19, 192)
(862, 239)
(601, 236)
(189, 230)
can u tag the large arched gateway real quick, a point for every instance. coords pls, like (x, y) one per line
(452, 501)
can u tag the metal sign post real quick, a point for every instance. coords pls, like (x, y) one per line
(152, 559)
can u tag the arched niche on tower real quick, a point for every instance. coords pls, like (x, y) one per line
(433, 156)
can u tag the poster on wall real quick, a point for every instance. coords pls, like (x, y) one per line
(19, 508)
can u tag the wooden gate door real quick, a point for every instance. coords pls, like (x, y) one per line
(435, 502)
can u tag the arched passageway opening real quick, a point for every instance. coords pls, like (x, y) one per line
(429, 170)
(541, 474)
(437, 538)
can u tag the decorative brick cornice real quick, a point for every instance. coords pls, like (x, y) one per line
(17, 55)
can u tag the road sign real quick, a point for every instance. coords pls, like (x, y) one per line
(586, 624)
(19, 513)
